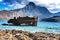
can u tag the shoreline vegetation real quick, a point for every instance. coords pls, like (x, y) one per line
(24, 35)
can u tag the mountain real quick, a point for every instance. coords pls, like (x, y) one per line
(52, 19)
(57, 14)
(29, 10)
(34, 10)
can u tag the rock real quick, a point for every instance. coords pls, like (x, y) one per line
(23, 35)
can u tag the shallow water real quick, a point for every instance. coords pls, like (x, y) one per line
(49, 27)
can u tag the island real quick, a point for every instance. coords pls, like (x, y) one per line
(52, 19)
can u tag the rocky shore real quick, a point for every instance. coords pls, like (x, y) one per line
(23, 35)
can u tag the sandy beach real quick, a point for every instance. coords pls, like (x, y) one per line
(24, 35)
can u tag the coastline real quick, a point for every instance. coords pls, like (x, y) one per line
(25, 35)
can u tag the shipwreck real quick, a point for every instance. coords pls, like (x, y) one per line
(27, 21)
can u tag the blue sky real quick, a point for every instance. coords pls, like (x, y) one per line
(52, 5)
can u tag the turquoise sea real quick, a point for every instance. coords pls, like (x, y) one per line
(49, 27)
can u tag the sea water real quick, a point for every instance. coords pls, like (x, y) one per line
(48, 27)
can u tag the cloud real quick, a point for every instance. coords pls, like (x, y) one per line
(6, 8)
(15, 4)
(46, 1)
(49, 4)
(14, 1)
(0, 0)
(54, 8)
(52, 5)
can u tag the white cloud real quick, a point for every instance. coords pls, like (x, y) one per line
(55, 8)
(0, 0)
(17, 5)
(46, 1)
(50, 4)
(11, 5)
(6, 8)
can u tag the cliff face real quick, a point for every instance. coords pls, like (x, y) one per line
(52, 19)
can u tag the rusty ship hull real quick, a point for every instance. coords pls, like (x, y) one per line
(24, 21)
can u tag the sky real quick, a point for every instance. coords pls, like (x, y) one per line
(52, 5)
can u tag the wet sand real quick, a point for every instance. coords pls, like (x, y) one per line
(24, 35)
